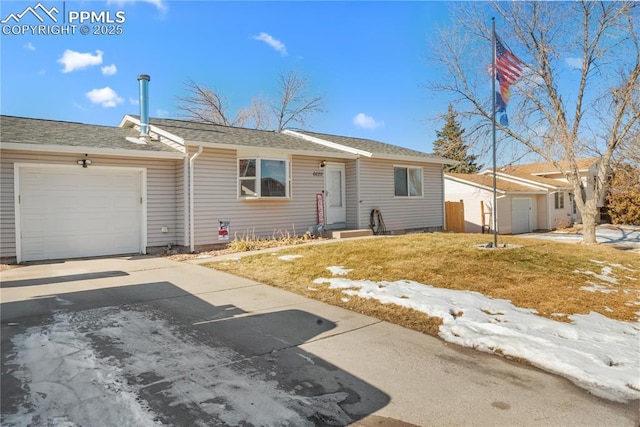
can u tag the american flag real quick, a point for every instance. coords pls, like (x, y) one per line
(507, 71)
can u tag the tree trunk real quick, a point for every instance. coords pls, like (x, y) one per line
(589, 225)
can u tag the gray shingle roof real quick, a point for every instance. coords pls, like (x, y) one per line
(374, 147)
(216, 134)
(25, 130)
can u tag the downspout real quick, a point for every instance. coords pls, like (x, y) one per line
(192, 161)
(444, 201)
(359, 201)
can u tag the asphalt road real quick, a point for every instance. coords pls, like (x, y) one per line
(148, 341)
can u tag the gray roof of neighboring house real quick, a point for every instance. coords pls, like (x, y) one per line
(218, 134)
(374, 147)
(25, 130)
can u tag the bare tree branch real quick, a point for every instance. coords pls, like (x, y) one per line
(294, 105)
(553, 114)
(203, 105)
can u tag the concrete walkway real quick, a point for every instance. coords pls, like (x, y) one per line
(148, 341)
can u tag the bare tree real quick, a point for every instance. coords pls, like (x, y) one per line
(294, 104)
(258, 115)
(203, 105)
(591, 46)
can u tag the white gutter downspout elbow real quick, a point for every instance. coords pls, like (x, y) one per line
(192, 161)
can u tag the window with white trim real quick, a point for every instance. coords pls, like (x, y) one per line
(263, 178)
(407, 181)
(559, 200)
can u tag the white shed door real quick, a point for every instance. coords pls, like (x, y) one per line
(78, 212)
(520, 215)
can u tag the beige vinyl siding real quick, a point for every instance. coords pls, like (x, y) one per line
(161, 192)
(182, 190)
(7, 211)
(215, 187)
(542, 209)
(351, 182)
(400, 213)
(560, 217)
(504, 215)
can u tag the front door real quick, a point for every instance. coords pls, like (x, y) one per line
(334, 194)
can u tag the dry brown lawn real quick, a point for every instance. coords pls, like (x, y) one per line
(543, 275)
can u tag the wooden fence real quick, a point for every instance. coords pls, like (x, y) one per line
(454, 213)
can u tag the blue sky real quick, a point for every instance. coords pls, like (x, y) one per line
(367, 60)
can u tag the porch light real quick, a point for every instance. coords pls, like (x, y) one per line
(323, 163)
(84, 162)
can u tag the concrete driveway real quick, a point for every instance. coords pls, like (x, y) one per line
(148, 341)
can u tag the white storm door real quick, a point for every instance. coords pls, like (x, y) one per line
(335, 200)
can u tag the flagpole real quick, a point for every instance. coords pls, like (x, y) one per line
(493, 83)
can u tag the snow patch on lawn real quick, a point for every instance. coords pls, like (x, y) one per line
(597, 353)
(289, 257)
(608, 277)
(339, 270)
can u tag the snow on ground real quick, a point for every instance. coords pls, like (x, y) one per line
(289, 257)
(607, 281)
(338, 270)
(72, 383)
(597, 353)
(623, 235)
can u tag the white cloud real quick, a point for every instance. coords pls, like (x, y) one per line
(109, 70)
(106, 97)
(574, 62)
(30, 46)
(366, 122)
(73, 60)
(161, 5)
(42, 72)
(134, 101)
(274, 43)
(163, 114)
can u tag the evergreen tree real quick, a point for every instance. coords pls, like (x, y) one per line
(450, 145)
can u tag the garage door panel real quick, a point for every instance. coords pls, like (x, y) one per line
(520, 215)
(78, 213)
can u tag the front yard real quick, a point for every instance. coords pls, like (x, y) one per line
(551, 304)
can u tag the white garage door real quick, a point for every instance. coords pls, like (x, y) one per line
(68, 212)
(520, 215)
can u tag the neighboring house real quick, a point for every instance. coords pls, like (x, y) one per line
(530, 197)
(76, 190)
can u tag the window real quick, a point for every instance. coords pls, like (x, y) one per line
(407, 182)
(263, 178)
(559, 200)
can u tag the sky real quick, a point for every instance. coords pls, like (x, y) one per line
(368, 60)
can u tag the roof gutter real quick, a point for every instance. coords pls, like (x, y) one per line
(74, 149)
(192, 161)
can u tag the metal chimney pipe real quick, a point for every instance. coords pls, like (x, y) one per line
(144, 79)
